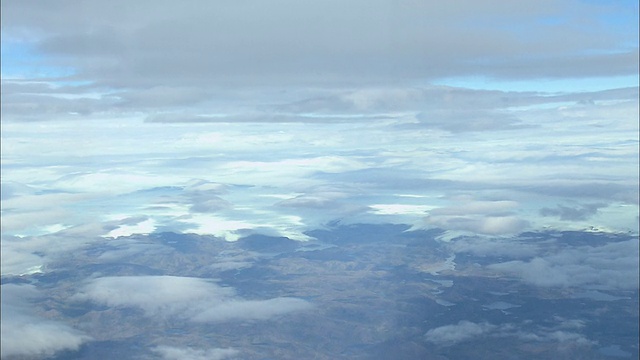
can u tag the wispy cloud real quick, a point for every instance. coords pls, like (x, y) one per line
(186, 353)
(464, 330)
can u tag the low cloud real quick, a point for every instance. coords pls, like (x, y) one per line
(185, 353)
(187, 298)
(25, 334)
(251, 309)
(613, 266)
(464, 330)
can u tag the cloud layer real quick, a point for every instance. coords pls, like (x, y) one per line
(320, 42)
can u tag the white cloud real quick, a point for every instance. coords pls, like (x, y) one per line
(27, 335)
(612, 266)
(485, 217)
(466, 205)
(193, 299)
(397, 209)
(156, 295)
(462, 331)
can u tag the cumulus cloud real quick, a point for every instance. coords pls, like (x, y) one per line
(24, 334)
(186, 353)
(204, 196)
(452, 334)
(484, 217)
(612, 266)
(193, 299)
(156, 295)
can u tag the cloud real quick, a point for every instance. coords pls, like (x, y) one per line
(454, 109)
(263, 117)
(482, 246)
(26, 211)
(251, 310)
(162, 96)
(466, 205)
(210, 203)
(571, 213)
(26, 335)
(456, 120)
(464, 330)
(17, 260)
(192, 299)
(29, 107)
(325, 202)
(156, 295)
(490, 225)
(185, 353)
(204, 196)
(310, 42)
(612, 266)
(483, 217)
(12, 189)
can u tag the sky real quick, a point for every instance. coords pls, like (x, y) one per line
(234, 118)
